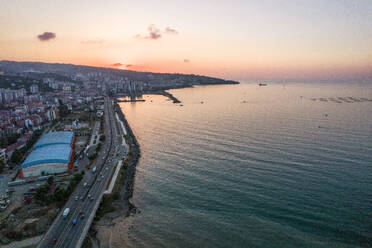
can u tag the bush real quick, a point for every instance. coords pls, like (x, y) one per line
(93, 156)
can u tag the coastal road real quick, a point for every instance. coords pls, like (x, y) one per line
(63, 233)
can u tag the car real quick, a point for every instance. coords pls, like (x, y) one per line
(102, 176)
(91, 199)
(81, 197)
(106, 168)
(89, 196)
(99, 180)
(76, 198)
(54, 241)
(81, 212)
(74, 221)
(82, 216)
(85, 184)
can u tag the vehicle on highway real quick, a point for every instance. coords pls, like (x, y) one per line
(91, 199)
(74, 221)
(81, 197)
(99, 180)
(81, 212)
(94, 169)
(54, 241)
(89, 196)
(66, 212)
(82, 216)
(76, 198)
(85, 184)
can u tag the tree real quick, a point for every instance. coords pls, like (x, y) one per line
(2, 165)
(51, 180)
(3, 142)
(16, 157)
(63, 111)
(41, 193)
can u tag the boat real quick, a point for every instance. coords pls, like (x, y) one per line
(262, 84)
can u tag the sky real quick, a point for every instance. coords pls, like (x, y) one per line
(234, 39)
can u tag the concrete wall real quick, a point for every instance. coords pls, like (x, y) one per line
(36, 170)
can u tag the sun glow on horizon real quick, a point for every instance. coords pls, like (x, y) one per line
(257, 39)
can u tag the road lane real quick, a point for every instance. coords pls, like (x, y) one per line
(62, 229)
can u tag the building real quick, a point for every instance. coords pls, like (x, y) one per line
(52, 154)
(66, 88)
(34, 89)
(2, 154)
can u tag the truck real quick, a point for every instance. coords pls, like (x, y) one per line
(66, 212)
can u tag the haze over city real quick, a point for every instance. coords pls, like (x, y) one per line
(236, 39)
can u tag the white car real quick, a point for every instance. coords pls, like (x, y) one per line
(85, 184)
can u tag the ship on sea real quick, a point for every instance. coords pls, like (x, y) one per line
(262, 84)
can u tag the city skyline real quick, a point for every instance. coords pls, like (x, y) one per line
(235, 39)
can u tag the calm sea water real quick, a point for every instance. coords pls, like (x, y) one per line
(249, 166)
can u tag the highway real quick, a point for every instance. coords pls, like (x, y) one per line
(85, 199)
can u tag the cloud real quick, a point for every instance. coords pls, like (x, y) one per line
(93, 42)
(117, 64)
(129, 65)
(170, 30)
(46, 36)
(154, 33)
(186, 61)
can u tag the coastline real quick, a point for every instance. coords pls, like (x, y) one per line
(100, 232)
(152, 92)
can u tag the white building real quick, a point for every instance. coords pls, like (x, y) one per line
(34, 89)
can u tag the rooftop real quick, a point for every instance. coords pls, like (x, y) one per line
(59, 153)
(55, 138)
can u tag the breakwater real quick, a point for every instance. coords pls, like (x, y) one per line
(166, 94)
(134, 154)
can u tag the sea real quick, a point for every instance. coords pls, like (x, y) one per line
(281, 165)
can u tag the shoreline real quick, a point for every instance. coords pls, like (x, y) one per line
(101, 230)
(123, 188)
(155, 92)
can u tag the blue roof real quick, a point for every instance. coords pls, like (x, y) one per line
(55, 138)
(59, 153)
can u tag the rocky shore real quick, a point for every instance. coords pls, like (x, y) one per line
(100, 231)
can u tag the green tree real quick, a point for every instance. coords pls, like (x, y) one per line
(2, 165)
(63, 111)
(16, 157)
(3, 142)
(51, 180)
(42, 192)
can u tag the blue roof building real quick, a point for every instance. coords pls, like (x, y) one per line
(51, 154)
(55, 138)
(48, 155)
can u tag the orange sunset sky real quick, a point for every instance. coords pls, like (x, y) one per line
(235, 39)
